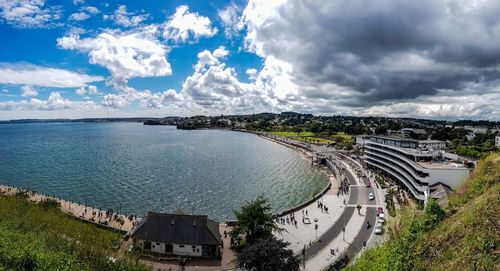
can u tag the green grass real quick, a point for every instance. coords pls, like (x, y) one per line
(303, 136)
(462, 236)
(41, 237)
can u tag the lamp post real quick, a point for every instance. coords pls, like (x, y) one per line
(343, 219)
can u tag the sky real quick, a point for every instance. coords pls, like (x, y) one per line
(433, 59)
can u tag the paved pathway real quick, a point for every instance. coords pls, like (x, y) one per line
(341, 243)
(304, 234)
(318, 254)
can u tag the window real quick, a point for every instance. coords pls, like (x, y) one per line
(181, 245)
(157, 244)
(193, 246)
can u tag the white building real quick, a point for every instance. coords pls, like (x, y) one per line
(470, 136)
(497, 141)
(179, 235)
(432, 144)
(477, 129)
(418, 170)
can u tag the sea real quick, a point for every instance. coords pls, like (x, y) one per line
(135, 168)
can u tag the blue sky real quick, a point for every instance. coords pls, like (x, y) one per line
(82, 58)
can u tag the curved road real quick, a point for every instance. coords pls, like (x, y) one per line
(358, 195)
(330, 234)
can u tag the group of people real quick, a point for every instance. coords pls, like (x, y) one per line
(322, 206)
(289, 219)
(343, 188)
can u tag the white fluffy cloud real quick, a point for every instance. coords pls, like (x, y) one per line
(125, 54)
(27, 90)
(183, 25)
(85, 13)
(214, 87)
(91, 90)
(126, 19)
(79, 16)
(33, 75)
(115, 101)
(230, 18)
(29, 13)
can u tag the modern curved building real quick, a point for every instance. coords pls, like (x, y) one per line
(420, 170)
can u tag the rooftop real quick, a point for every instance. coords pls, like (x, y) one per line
(440, 164)
(178, 229)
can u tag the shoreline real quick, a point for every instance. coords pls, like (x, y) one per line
(328, 188)
(77, 210)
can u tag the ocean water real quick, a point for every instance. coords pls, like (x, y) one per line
(136, 168)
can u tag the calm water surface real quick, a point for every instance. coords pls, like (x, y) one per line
(136, 168)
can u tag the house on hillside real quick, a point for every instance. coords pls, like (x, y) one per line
(166, 235)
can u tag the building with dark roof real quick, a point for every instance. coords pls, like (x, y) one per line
(178, 235)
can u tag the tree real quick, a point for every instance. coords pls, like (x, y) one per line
(433, 214)
(255, 221)
(268, 255)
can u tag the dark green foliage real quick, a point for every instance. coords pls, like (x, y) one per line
(255, 221)
(268, 255)
(49, 203)
(433, 214)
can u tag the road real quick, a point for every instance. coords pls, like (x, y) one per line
(330, 234)
(359, 195)
(363, 236)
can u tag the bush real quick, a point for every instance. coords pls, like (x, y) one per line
(49, 203)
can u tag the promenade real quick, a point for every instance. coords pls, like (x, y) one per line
(342, 230)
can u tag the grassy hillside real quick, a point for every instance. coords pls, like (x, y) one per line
(41, 237)
(465, 235)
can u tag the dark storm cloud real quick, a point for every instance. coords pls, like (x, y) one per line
(387, 49)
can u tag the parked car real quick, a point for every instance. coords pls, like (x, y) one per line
(379, 229)
(381, 218)
(380, 211)
(371, 196)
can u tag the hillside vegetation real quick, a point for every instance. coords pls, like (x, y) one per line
(464, 235)
(41, 237)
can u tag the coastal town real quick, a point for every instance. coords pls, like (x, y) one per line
(250, 135)
(371, 177)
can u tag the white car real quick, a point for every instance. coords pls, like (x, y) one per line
(379, 229)
(381, 218)
(371, 196)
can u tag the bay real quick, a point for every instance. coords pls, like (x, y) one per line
(135, 168)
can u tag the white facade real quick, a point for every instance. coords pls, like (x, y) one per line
(401, 164)
(187, 250)
(432, 144)
(177, 249)
(497, 141)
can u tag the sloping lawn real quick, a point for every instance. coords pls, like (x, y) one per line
(41, 237)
